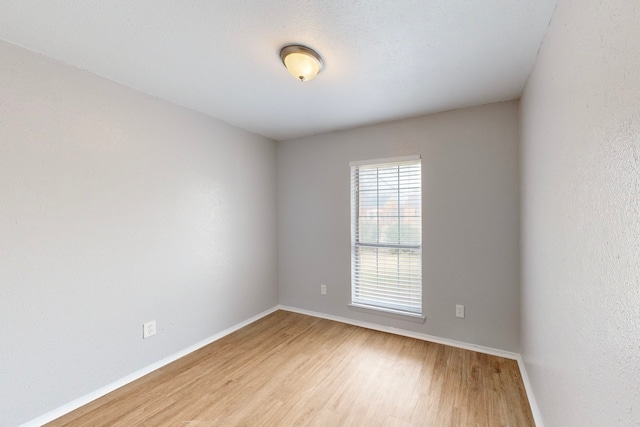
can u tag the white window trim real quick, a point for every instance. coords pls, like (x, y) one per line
(359, 305)
(385, 160)
(388, 312)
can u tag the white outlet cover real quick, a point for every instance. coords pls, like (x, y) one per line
(460, 311)
(149, 329)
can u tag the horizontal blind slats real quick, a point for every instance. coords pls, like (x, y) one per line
(386, 211)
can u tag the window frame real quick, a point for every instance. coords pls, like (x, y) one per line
(408, 310)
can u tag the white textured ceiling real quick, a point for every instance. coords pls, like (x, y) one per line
(384, 59)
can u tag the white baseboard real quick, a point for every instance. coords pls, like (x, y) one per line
(535, 410)
(537, 416)
(410, 334)
(71, 406)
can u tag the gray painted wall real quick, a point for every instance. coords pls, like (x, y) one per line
(581, 216)
(115, 209)
(470, 220)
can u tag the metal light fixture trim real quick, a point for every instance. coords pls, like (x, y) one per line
(302, 62)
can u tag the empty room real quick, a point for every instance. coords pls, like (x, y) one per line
(320, 213)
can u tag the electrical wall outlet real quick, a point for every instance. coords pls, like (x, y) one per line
(460, 311)
(323, 289)
(149, 329)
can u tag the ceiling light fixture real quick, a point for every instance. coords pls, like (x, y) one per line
(303, 63)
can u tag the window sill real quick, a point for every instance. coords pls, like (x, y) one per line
(387, 312)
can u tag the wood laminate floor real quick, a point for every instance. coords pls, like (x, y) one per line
(289, 369)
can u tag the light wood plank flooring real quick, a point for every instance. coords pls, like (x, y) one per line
(289, 369)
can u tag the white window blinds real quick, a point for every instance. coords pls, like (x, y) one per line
(386, 234)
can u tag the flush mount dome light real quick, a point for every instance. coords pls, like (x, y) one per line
(303, 63)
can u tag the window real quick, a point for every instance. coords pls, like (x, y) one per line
(386, 234)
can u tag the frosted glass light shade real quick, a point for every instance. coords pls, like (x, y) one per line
(303, 63)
